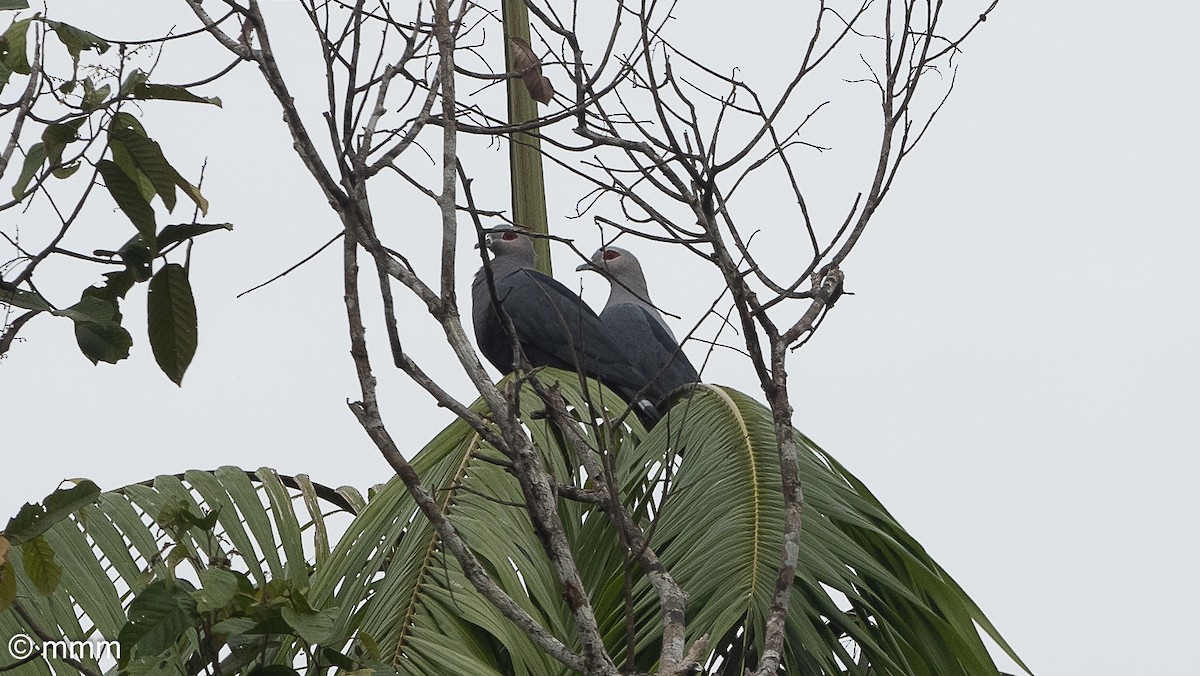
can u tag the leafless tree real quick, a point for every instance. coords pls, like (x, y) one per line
(644, 123)
(665, 138)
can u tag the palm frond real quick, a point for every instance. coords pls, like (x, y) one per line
(397, 585)
(705, 483)
(112, 550)
(865, 591)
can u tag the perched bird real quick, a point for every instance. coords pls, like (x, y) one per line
(639, 325)
(553, 325)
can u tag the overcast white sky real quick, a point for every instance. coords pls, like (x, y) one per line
(1016, 377)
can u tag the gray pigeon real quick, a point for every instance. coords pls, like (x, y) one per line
(639, 325)
(554, 326)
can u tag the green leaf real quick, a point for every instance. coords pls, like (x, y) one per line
(8, 586)
(422, 612)
(13, 47)
(137, 154)
(58, 136)
(390, 575)
(166, 664)
(77, 40)
(129, 198)
(158, 617)
(28, 300)
(194, 193)
(177, 516)
(103, 341)
(206, 522)
(36, 518)
(115, 286)
(40, 566)
(373, 668)
(66, 501)
(168, 514)
(35, 157)
(97, 318)
(337, 659)
(314, 628)
(171, 317)
(716, 456)
(66, 171)
(124, 160)
(179, 232)
(370, 644)
(233, 626)
(137, 258)
(109, 552)
(271, 622)
(147, 91)
(273, 670)
(136, 78)
(147, 156)
(5, 71)
(13, 4)
(92, 97)
(91, 308)
(123, 119)
(217, 588)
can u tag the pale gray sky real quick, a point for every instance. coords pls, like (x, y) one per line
(1016, 377)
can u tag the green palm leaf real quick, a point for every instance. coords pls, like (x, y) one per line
(112, 550)
(705, 483)
(865, 591)
(400, 588)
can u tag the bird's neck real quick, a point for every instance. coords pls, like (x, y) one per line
(502, 266)
(631, 294)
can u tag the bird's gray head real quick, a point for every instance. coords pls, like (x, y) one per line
(625, 273)
(616, 263)
(510, 243)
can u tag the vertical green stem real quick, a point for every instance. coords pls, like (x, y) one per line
(524, 150)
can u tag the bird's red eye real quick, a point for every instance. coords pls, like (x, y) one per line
(509, 235)
(609, 254)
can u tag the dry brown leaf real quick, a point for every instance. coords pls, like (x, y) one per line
(539, 87)
(526, 63)
(523, 57)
